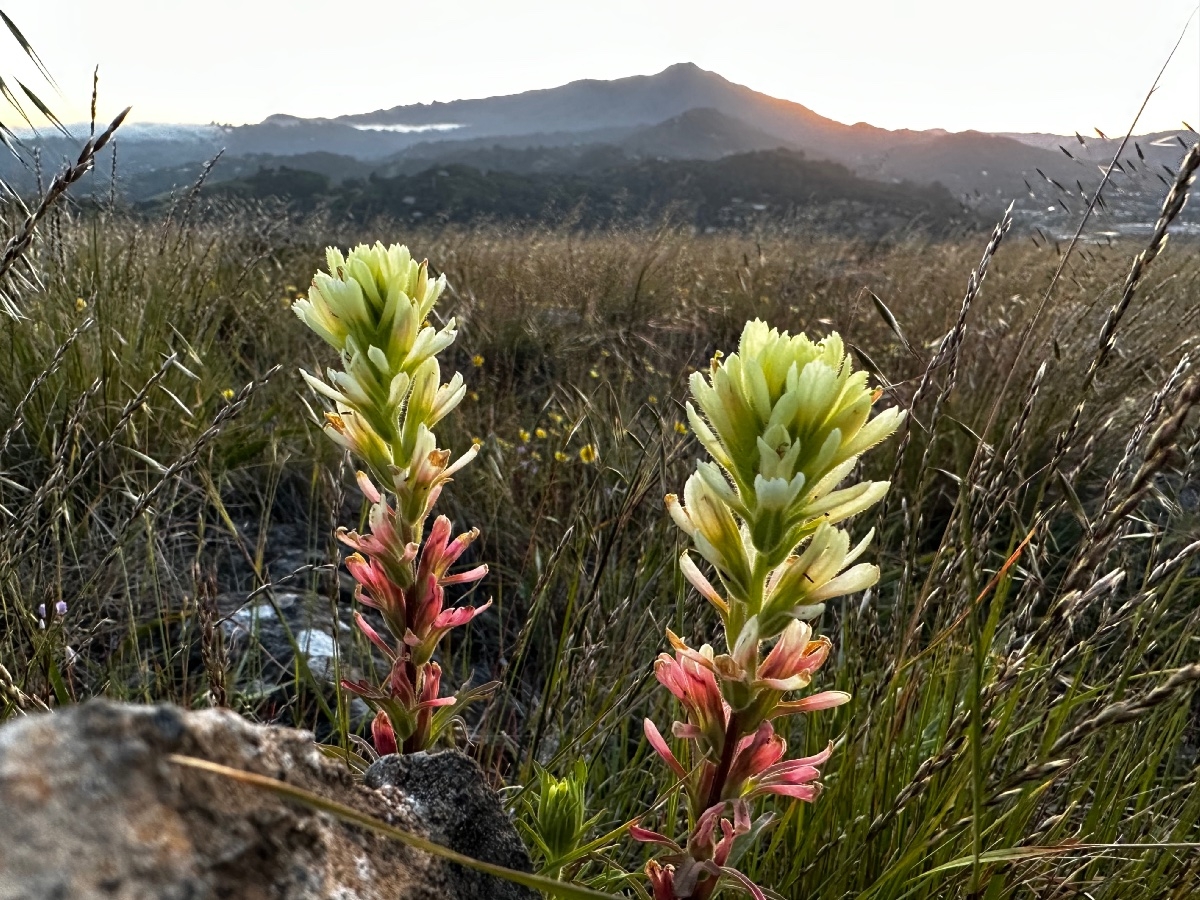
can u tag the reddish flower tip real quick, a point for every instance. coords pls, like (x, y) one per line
(383, 735)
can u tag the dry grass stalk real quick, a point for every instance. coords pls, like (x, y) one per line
(20, 242)
(213, 653)
(51, 367)
(1126, 711)
(1172, 206)
(15, 536)
(1161, 449)
(17, 698)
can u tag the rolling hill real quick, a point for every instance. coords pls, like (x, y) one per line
(742, 190)
(684, 113)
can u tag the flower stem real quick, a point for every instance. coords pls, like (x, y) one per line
(717, 788)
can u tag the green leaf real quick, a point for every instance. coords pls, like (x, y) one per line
(355, 761)
(56, 681)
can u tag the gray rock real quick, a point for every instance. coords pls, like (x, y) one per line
(320, 653)
(459, 810)
(266, 632)
(94, 807)
(259, 638)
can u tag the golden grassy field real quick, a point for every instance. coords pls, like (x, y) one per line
(1022, 722)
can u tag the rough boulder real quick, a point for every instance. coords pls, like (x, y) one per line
(93, 807)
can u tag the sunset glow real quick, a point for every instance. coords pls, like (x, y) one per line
(1028, 65)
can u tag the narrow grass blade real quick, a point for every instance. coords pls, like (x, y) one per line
(1019, 854)
(43, 109)
(28, 48)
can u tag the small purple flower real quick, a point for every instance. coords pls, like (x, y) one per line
(60, 609)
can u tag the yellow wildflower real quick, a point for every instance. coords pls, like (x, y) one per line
(587, 454)
(560, 456)
(227, 393)
(80, 304)
(652, 400)
(523, 435)
(540, 433)
(680, 428)
(477, 360)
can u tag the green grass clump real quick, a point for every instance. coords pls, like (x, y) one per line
(1021, 722)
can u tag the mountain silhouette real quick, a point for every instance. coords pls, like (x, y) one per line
(683, 113)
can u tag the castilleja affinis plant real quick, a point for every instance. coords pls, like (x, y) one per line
(784, 420)
(373, 308)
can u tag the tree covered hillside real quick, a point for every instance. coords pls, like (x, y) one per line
(735, 191)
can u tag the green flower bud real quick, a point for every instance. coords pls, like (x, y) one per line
(561, 810)
(555, 821)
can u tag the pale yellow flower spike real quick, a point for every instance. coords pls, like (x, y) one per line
(372, 306)
(785, 420)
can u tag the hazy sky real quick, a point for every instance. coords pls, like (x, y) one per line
(1019, 65)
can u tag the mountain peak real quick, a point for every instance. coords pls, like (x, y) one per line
(685, 68)
(686, 111)
(689, 72)
(584, 105)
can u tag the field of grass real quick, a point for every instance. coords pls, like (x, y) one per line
(1023, 721)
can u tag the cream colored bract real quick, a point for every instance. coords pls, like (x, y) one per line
(373, 307)
(786, 418)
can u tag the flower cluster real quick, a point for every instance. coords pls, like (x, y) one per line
(60, 610)
(784, 420)
(529, 445)
(373, 308)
